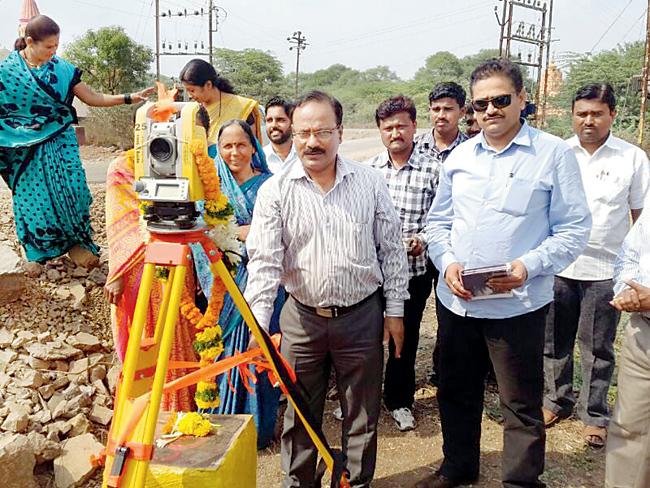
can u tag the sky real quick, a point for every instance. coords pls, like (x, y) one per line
(358, 33)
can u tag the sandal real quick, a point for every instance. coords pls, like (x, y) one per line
(595, 436)
(550, 418)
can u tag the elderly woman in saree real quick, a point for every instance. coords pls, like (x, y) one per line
(39, 155)
(242, 169)
(217, 95)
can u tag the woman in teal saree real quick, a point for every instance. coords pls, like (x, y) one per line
(39, 154)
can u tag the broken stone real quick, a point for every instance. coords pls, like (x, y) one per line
(8, 356)
(113, 377)
(29, 378)
(78, 293)
(47, 391)
(97, 373)
(12, 279)
(53, 275)
(101, 415)
(79, 370)
(6, 337)
(52, 351)
(38, 363)
(61, 366)
(97, 276)
(56, 405)
(17, 462)
(16, 422)
(43, 449)
(63, 291)
(71, 469)
(79, 272)
(77, 425)
(84, 341)
(61, 381)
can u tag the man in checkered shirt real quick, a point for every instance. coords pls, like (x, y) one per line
(412, 178)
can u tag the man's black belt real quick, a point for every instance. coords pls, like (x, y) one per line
(334, 312)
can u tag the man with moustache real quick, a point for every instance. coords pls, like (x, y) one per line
(511, 195)
(471, 124)
(616, 178)
(412, 177)
(327, 228)
(280, 151)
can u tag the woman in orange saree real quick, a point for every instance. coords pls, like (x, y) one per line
(126, 240)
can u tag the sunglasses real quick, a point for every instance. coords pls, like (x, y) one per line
(482, 104)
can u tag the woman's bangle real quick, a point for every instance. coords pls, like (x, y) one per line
(127, 99)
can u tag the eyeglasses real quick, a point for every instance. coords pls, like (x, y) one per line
(482, 104)
(321, 134)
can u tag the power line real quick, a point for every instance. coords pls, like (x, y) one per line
(610, 26)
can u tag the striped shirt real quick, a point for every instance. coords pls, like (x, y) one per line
(633, 261)
(330, 249)
(412, 188)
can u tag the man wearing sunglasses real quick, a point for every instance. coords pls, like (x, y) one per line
(328, 229)
(616, 178)
(511, 195)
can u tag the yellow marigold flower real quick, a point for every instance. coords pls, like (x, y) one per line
(169, 425)
(195, 424)
(206, 385)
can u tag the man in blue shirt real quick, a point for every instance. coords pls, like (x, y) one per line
(511, 195)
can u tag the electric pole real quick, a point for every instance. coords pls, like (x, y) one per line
(158, 40)
(548, 63)
(644, 80)
(299, 43)
(184, 48)
(532, 34)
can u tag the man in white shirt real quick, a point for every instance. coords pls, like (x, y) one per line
(280, 151)
(628, 445)
(615, 176)
(327, 228)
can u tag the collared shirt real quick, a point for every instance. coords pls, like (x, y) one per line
(633, 260)
(412, 188)
(524, 202)
(427, 143)
(616, 178)
(330, 249)
(275, 162)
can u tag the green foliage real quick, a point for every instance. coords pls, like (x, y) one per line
(619, 67)
(110, 60)
(253, 73)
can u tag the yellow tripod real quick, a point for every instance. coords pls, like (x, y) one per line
(130, 444)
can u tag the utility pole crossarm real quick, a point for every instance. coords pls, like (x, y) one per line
(298, 42)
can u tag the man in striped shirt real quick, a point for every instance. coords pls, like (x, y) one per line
(327, 229)
(412, 177)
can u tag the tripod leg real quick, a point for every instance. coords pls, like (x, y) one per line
(151, 416)
(135, 339)
(162, 312)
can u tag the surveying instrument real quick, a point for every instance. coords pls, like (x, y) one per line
(169, 184)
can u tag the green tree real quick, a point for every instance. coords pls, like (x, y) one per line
(253, 73)
(620, 67)
(110, 60)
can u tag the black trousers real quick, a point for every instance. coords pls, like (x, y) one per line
(515, 345)
(399, 382)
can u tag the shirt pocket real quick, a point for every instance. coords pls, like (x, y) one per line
(357, 239)
(521, 196)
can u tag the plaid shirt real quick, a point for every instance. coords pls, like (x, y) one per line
(425, 143)
(412, 188)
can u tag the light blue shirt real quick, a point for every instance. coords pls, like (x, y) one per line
(524, 202)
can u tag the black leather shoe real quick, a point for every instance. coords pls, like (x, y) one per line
(438, 480)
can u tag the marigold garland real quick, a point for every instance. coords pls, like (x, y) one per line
(217, 208)
(207, 395)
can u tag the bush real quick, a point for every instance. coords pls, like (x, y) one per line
(110, 126)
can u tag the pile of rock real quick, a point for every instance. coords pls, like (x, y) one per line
(57, 372)
(55, 390)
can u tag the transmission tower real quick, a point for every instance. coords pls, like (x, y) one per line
(536, 36)
(194, 47)
(299, 43)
